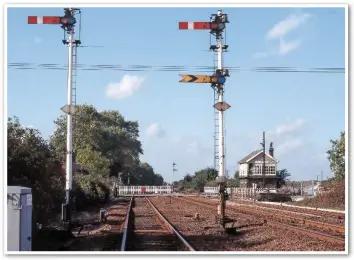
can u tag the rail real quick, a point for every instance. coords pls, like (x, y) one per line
(295, 220)
(126, 226)
(302, 207)
(252, 209)
(161, 217)
(170, 226)
(276, 223)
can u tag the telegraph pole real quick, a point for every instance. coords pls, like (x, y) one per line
(217, 80)
(264, 159)
(67, 23)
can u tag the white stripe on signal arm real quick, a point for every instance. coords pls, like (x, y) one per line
(39, 19)
(190, 25)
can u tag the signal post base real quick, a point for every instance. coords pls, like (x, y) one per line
(226, 225)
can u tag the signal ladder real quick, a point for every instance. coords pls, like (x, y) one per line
(216, 118)
(216, 122)
(73, 84)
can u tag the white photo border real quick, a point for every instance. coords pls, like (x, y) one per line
(181, 3)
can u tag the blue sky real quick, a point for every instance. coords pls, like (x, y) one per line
(300, 112)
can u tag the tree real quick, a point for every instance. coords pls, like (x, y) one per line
(283, 174)
(236, 179)
(143, 174)
(31, 163)
(159, 179)
(198, 180)
(120, 139)
(199, 183)
(237, 174)
(202, 177)
(106, 133)
(178, 185)
(105, 144)
(208, 174)
(188, 178)
(336, 157)
(93, 161)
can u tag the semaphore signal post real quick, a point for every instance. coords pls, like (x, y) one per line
(217, 80)
(67, 23)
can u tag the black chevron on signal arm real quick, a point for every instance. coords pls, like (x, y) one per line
(193, 78)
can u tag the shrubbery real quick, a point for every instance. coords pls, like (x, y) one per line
(104, 144)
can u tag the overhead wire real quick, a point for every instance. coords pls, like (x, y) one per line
(166, 68)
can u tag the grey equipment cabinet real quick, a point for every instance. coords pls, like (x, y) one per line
(19, 218)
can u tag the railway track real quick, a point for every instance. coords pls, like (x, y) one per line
(336, 217)
(289, 217)
(286, 222)
(146, 229)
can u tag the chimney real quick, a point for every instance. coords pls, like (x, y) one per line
(271, 149)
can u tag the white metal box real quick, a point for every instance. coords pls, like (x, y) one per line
(19, 218)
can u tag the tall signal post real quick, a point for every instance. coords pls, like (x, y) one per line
(67, 23)
(217, 80)
(174, 169)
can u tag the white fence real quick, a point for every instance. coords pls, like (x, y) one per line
(249, 193)
(145, 189)
(242, 193)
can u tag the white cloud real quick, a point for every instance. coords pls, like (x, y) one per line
(280, 30)
(155, 130)
(285, 26)
(37, 40)
(125, 88)
(290, 127)
(285, 47)
(288, 146)
(281, 132)
(286, 137)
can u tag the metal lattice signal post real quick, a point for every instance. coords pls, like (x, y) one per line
(216, 27)
(67, 23)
